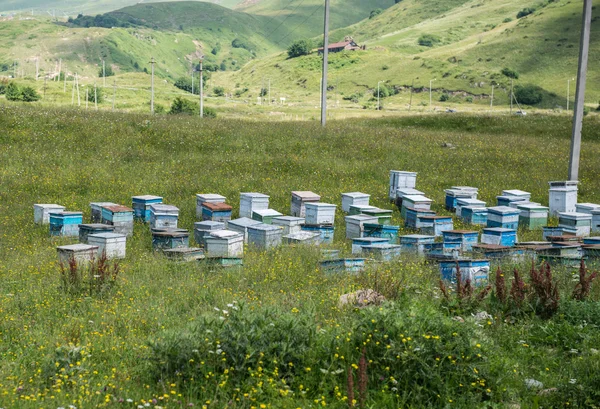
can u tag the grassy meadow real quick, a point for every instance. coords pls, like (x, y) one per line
(271, 334)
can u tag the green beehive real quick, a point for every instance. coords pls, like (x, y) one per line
(532, 216)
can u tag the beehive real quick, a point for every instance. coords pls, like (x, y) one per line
(581, 222)
(224, 243)
(532, 216)
(434, 225)
(464, 238)
(464, 202)
(586, 207)
(474, 215)
(119, 216)
(400, 180)
(290, 224)
(326, 231)
(499, 235)
(343, 265)
(413, 216)
(299, 200)
(459, 192)
(592, 241)
(41, 212)
(596, 221)
(163, 216)
(567, 261)
(416, 243)
(86, 229)
(416, 202)
(330, 254)
(382, 251)
(517, 193)
(265, 216)
(359, 209)
(507, 200)
(207, 198)
(499, 252)
(203, 229)
(384, 216)
(184, 254)
(503, 216)
(359, 242)
(354, 198)
(265, 236)
(355, 225)
(591, 251)
(225, 262)
(96, 210)
(170, 239)
(320, 213)
(239, 225)
(551, 231)
(302, 237)
(81, 253)
(400, 193)
(141, 206)
(477, 271)
(381, 230)
(65, 223)
(217, 212)
(562, 197)
(250, 202)
(112, 244)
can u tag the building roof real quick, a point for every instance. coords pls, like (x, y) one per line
(341, 44)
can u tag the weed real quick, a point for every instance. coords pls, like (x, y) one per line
(583, 287)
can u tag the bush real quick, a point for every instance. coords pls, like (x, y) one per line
(384, 91)
(429, 40)
(529, 94)
(299, 48)
(219, 91)
(29, 94)
(385, 67)
(13, 92)
(99, 94)
(507, 20)
(510, 73)
(107, 70)
(444, 97)
(525, 12)
(237, 43)
(183, 106)
(375, 13)
(3, 85)
(209, 112)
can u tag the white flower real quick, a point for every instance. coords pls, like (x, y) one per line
(129, 400)
(217, 309)
(225, 312)
(573, 381)
(230, 305)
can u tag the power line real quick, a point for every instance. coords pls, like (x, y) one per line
(305, 20)
(278, 14)
(284, 20)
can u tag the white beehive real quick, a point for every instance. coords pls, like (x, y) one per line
(265, 236)
(224, 243)
(205, 228)
(112, 243)
(250, 202)
(399, 180)
(586, 207)
(354, 198)
(207, 198)
(163, 216)
(563, 197)
(241, 226)
(290, 224)
(41, 212)
(517, 193)
(299, 199)
(416, 202)
(302, 237)
(266, 215)
(320, 213)
(463, 202)
(81, 253)
(355, 225)
(582, 222)
(596, 221)
(96, 210)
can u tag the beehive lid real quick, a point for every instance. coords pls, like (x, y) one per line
(356, 195)
(96, 226)
(225, 234)
(321, 205)
(408, 191)
(49, 206)
(183, 250)
(588, 206)
(382, 246)
(303, 235)
(170, 233)
(168, 229)
(378, 210)
(428, 216)
(209, 225)
(146, 197)
(108, 236)
(264, 227)
(102, 204)
(362, 208)
(403, 172)
(289, 219)
(531, 206)
(243, 222)
(485, 246)
(466, 188)
(62, 214)
(591, 246)
(502, 210)
(210, 196)
(306, 195)
(361, 218)
(370, 240)
(515, 192)
(254, 195)
(117, 208)
(471, 202)
(163, 208)
(417, 198)
(77, 247)
(267, 213)
(476, 209)
(564, 184)
(498, 230)
(575, 216)
(217, 207)
(417, 236)
(459, 232)
(459, 192)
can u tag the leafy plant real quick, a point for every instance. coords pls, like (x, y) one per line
(219, 91)
(93, 277)
(181, 105)
(510, 73)
(299, 48)
(444, 97)
(429, 40)
(374, 13)
(13, 92)
(29, 94)
(525, 12)
(529, 94)
(463, 297)
(106, 71)
(583, 287)
(94, 93)
(545, 290)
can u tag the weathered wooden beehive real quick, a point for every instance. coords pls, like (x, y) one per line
(554, 231)
(141, 206)
(217, 212)
(474, 215)
(401, 180)
(355, 225)
(459, 192)
(81, 253)
(532, 216)
(320, 213)
(265, 216)
(381, 230)
(250, 202)
(290, 224)
(170, 238)
(330, 254)
(592, 241)
(265, 236)
(112, 244)
(586, 207)
(477, 271)
(343, 265)
(359, 242)
(119, 216)
(499, 235)
(499, 252)
(503, 216)
(163, 216)
(581, 222)
(184, 254)
(65, 223)
(464, 239)
(94, 228)
(413, 216)
(464, 202)
(415, 202)
(359, 209)
(224, 243)
(203, 229)
(562, 197)
(299, 200)
(302, 237)
(596, 221)
(400, 193)
(384, 216)
(354, 198)
(434, 225)
(96, 210)
(326, 231)
(241, 226)
(517, 193)
(207, 198)
(416, 243)
(41, 212)
(382, 251)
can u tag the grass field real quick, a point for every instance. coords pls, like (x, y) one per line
(157, 338)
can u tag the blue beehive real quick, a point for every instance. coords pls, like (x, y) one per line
(474, 215)
(463, 238)
(348, 265)
(498, 252)
(217, 212)
(359, 242)
(382, 251)
(119, 216)
(65, 223)
(593, 241)
(464, 202)
(411, 216)
(477, 271)
(170, 239)
(141, 206)
(550, 231)
(499, 235)
(591, 251)
(325, 230)
(383, 231)
(459, 192)
(503, 216)
(96, 210)
(163, 216)
(507, 200)
(86, 229)
(434, 225)
(417, 243)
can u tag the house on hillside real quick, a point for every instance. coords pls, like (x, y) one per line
(347, 45)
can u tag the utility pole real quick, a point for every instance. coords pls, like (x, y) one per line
(73, 94)
(104, 73)
(152, 62)
(412, 88)
(193, 78)
(96, 96)
(15, 69)
(580, 93)
(569, 91)
(59, 68)
(511, 95)
(45, 81)
(430, 91)
(378, 96)
(77, 84)
(325, 63)
(492, 99)
(86, 98)
(201, 92)
(114, 94)
(269, 91)
(37, 67)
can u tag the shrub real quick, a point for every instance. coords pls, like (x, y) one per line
(444, 97)
(510, 73)
(384, 91)
(237, 43)
(299, 48)
(375, 13)
(99, 94)
(429, 40)
(525, 12)
(3, 85)
(385, 67)
(29, 94)
(529, 94)
(13, 92)
(583, 287)
(183, 106)
(507, 20)
(107, 70)
(545, 291)
(219, 91)
(469, 99)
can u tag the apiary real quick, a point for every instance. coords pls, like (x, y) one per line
(400, 193)
(265, 216)
(532, 216)
(170, 239)
(203, 229)
(413, 216)
(265, 236)
(384, 216)
(581, 222)
(477, 271)
(464, 239)
(217, 212)
(184, 254)
(354, 198)
(464, 202)
(81, 253)
(207, 198)
(586, 207)
(163, 216)
(250, 202)
(299, 200)
(111, 244)
(381, 230)
(476, 216)
(290, 224)
(459, 192)
(320, 213)
(86, 229)
(417, 243)
(343, 265)
(224, 243)
(239, 225)
(141, 206)
(504, 217)
(355, 225)
(41, 212)
(302, 237)
(96, 210)
(562, 197)
(359, 209)
(499, 235)
(326, 231)
(401, 180)
(65, 223)
(119, 216)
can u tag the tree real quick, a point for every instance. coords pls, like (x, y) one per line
(299, 48)
(375, 13)
(510, 73)
(384, 91)
(13, 92)
(429, 40)
(91, 97)
(183, 106)
(525, 12)
(529, 94)
(219, 91)
(106, 70)
(30, 95)
(444, 97)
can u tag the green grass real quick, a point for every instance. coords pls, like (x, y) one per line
(74, 157)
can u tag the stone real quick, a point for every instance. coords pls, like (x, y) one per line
(361, 298)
